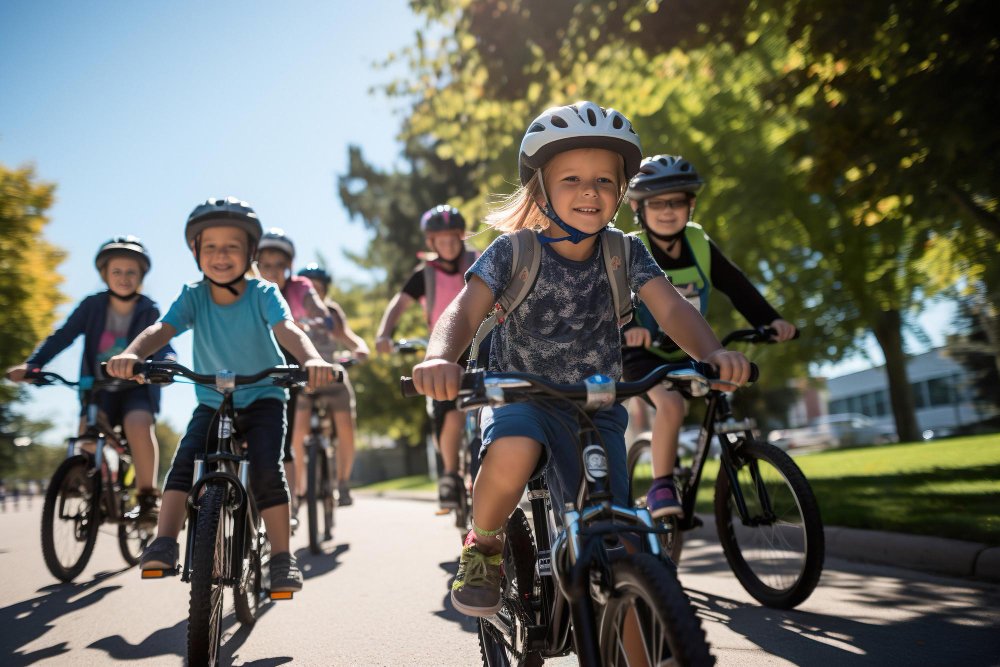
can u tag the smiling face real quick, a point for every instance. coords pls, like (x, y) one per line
(122, 275)
(668, 213)
(274, 266)
(224, 253)
(448, 245)
(583, 186)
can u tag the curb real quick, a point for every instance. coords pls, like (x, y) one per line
(936, 555)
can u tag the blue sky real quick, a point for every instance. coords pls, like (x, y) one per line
(140, 110)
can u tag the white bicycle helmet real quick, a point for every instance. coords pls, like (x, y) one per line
(580, 125)
(661, 174)
(123, 246)
(275, 239)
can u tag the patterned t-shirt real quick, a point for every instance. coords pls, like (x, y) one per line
(565, 329)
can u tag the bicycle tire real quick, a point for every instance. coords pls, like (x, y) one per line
(315, 489)
(519, 561)
(133, 537)
(671, 543)
(330, 491)
(72, 481)
(792, 546)
(669, 627)
(250, 592)
(209, 570)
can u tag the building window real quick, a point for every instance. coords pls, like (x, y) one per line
(881, 403)
(940, 391)
(919, 390)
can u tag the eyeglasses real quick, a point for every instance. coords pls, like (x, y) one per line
(658, 205)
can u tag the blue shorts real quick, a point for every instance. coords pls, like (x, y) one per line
(116, 404)
(556, 429)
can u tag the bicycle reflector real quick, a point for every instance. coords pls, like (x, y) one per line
(225, 381)
(281, 595)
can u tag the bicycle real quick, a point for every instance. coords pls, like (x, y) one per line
(565, 584)
(321, 476)
(766, 514)
(226, 542)
(89, 488)
(468, 459)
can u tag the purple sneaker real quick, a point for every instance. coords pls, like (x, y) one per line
(662, 499)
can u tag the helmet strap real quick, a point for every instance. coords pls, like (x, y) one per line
(251, 250)
(128, 297)
(670, 239)
(575, 235)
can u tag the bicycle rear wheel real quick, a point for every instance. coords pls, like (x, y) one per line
(70, 518)
(640, 477)
(209, 572)
(503, 637)
(777, 554)
(319, 497)
(250, 592)
(648, 619)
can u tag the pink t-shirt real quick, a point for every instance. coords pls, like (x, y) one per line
(297, 289)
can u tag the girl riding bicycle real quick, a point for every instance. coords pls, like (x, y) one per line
(662, 196)
(325, 328)
(574, 163)
(236, 323)
(109, 321)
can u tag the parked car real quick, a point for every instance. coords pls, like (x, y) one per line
(841, 430)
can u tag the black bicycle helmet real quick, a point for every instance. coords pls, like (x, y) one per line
(442, 218)
(228, 211)
(580, 125)
(662, 174)
(316, 272)
(276, 239)
(123, 246)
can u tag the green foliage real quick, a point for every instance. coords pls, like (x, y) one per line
(29, 283)
(167, 439)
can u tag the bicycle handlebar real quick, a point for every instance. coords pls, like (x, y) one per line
(41, 378)
(410, 345)
(482, 387)
(162, 372)
(757, 335)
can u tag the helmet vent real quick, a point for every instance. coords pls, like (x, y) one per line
(591, 117)
(559, 122)
(537, 127)
(616, 122)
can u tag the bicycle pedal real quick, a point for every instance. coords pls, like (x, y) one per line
(160, 574)
(281, 595)
(441, 511)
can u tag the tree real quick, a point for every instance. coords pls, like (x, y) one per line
(29, 283)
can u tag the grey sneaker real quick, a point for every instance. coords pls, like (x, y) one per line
(147, 508)
(344, 493)
(476, 590)
(160, 554)
(285, 575)
(448, 490)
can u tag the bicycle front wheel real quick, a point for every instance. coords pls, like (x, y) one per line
(639, 464)
(777, 552)
(133, 536)
(209, 572)
(318, 493)
(648, 619)
(70, 518)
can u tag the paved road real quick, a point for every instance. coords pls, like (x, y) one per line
(379, 597)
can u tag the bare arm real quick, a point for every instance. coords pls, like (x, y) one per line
(686, 327)
(438, 376)
(293, 339)
(397, 306)
(351, 340)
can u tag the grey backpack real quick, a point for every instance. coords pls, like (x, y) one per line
(615, 250)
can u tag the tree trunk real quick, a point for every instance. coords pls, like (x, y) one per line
(888, 331)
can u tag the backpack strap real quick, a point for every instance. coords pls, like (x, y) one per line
(616, 249)
(527, 258)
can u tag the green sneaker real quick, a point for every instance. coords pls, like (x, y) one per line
(476, 591)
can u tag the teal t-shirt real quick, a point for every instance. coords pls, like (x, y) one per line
(236, 337)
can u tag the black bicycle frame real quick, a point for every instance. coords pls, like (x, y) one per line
(108, 468)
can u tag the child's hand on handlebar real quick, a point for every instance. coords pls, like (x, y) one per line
(733, 367)
(638, 337)
(383, 345)
(438, 378)
(320, 373)
(120, 366)
(782, 330)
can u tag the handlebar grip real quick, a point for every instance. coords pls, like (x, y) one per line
(406, 387)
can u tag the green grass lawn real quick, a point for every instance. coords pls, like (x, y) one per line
(947, 488)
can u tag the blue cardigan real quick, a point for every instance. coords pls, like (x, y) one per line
(89, 319)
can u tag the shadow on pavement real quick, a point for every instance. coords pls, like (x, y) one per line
(803, 637)
(316, 565)
(26, 621)
(448, 611)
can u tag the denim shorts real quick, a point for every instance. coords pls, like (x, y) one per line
(556, 429)
(117, 404)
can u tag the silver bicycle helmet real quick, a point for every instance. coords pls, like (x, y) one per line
(661, 174)
(123, 246)
(228, 211)
(580, 125)
(275, 239)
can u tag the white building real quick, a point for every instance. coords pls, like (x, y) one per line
(941, 393)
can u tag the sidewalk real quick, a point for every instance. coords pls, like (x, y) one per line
(937, 555)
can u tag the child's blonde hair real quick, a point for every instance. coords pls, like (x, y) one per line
(519, 209)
